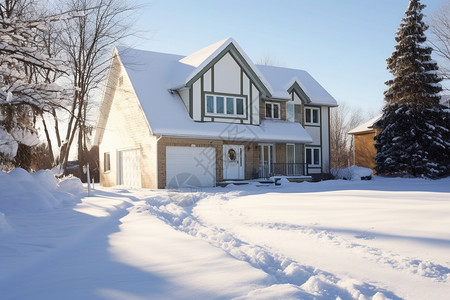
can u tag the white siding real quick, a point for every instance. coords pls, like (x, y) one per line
(207, 81)
(314, 132)
(184, 94)
(297, 99)
(325, 140)
(196, 97)
(246, 85)
(126, 128)
(255, 104)
(227, 75)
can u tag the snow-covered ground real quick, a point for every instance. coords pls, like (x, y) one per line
(386, 238)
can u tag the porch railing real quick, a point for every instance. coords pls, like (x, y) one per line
(282, 169)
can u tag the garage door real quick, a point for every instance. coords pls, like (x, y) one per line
(190, 166)
(130, 168)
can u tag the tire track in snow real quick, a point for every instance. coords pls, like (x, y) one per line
(419, 267)
(317, 283)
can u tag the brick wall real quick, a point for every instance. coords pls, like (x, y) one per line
(251, 155)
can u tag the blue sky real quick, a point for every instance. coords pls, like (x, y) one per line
(343, 44)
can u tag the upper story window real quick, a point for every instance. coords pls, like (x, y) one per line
(225, 105)
(293, 112)
(272, 110)
(312, 116)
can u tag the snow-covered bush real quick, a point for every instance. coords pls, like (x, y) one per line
(353, 173)
(71, 185)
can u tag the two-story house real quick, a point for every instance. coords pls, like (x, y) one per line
(168, 120)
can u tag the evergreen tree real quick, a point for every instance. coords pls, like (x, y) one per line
(414, 129)
(416, 80)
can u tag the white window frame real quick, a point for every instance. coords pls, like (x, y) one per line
(272, 104)
(310, 111)
(312, 164)
(225, 114)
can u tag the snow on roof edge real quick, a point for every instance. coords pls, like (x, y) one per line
(220, 46)
(365, 127)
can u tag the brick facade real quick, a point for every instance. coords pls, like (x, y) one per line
(251, 155)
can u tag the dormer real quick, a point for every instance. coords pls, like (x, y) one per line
(224, 85)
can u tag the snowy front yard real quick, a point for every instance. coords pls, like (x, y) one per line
(379, 239)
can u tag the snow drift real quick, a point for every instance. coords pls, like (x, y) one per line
(25, 192)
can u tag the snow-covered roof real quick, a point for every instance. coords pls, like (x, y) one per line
(203, 57)
(281, 79)
(153, 74)
(366, 127)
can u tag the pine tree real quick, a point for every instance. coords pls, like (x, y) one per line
(416, 80)
(414, 129)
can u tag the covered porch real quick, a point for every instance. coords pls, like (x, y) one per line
(281, 160)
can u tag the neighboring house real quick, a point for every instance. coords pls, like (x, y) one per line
(363, 139)
(364, 144)
(168, 120)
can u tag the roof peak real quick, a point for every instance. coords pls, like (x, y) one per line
(198, 57)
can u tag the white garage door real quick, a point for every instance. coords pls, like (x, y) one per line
(190, 166)
(130, 168)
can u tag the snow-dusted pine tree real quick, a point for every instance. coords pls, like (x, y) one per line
(414, 129)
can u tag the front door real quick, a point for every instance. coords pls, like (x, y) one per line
(233, 162)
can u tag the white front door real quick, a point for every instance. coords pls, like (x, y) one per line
(233, 162)
(130, 168)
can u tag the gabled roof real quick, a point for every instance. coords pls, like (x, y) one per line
(204, 58)
(153, 74)
(282, 80)
(366, 127)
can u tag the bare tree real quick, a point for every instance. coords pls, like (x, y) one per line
(342, 120)
(269, 60)
(87, 44)
(440, 38)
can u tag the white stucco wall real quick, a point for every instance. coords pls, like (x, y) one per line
(255, 105)
(207, 81)
(184, 94)
(196, 94)
(227, 75)
(296, 99)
